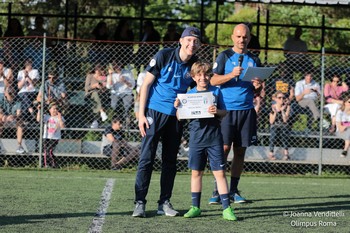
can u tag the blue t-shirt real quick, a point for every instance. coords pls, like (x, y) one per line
(238, 95)
(172, 77)
(206, 132)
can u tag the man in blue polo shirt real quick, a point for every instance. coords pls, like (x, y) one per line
(168, 74)
(239, 125)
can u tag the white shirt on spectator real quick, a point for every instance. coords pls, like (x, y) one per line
(28, 87)
(300, 86)
(343, 118)
(120, 87)
(2, 82)
(52, 129)
(140, 79)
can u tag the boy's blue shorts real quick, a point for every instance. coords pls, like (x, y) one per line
(198, 157)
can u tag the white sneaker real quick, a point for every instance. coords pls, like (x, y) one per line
(104, 116)
(20, 150)
(94, 125)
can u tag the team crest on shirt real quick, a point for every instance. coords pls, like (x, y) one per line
(215, 65)
(149, 120)
(170, 69)
(152, 62)
(250, 64)
(188, 75)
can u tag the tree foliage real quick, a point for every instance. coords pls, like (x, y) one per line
(163, 12)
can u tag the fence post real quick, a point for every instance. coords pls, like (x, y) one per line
(42, 101)
(321, 113)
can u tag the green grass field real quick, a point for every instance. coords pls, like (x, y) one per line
(67, 201)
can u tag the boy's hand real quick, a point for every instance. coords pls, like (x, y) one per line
(213, 109)
(177, 103)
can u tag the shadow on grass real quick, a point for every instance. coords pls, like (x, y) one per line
(279, 210)
(29, 219)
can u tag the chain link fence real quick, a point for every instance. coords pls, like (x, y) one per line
(76, 78)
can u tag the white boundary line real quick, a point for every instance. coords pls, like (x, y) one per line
(98, 221)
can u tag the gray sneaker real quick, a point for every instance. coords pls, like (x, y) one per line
(139, 210)
(167, 209)
(20, 150)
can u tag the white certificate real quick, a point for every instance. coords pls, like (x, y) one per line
(195, 105)
(258, 72)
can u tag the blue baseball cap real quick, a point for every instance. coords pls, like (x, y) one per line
(192, 31)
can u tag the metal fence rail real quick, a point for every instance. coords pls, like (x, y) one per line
(312, 148)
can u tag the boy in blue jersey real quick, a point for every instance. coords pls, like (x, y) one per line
(168, 74)
(206, 143)
(239, 125)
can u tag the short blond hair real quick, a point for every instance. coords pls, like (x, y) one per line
(200, 67)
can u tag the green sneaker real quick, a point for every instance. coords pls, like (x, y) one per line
(228, 214)
(193, 212)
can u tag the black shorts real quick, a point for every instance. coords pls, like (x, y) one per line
(239, 127)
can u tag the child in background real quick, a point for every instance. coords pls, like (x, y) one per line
(343, 123)
(53, 123)
(279, 115)
(115, 146)
(206, 143)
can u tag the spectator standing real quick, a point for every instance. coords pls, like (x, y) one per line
(34, 50)
(343, 124)
(39, 29)
(239, 125)
(206, 143)
(171, 35)
(100, 51)
(96, 91)
(123, 33)
(307, 93)
(26, 81)
(279, 115)
(254, 44)
(13, 47)
(295, 50)
(333, 93)
(149, 46)
(53, 123)
(295, 43)
(100, 31)
(167, 75)
(121, 82)
(115, 145)
(10, 115)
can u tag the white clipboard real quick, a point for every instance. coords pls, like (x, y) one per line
(258, 72)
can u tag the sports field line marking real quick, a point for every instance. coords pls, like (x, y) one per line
(294, 183)
(98, 221)
(62, 177)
